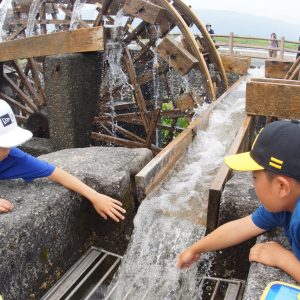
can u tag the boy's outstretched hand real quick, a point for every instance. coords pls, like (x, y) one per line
(187, 258)
(5, 206)
(108, 207)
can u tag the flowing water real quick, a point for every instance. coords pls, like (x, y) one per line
(174, 216)
(76, 14)
(4, 6)
(34, 8)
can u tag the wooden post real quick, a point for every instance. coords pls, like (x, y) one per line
(230, 43)
(281, 55)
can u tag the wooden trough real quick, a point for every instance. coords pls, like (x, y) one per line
(157, 169)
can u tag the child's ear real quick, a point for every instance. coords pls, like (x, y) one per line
(284, 186)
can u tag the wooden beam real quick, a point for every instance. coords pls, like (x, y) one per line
(275, 68)
(240, 144)
(236, 64)
(147, 11)
(175, 54)
(81, 40)
(279, 100)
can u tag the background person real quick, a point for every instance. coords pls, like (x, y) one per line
(273, 43)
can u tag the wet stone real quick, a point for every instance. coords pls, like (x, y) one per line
(51, 227)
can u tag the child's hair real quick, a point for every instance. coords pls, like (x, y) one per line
(272, 175)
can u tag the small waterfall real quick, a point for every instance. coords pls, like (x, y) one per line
(76, 15)
(34, 9)
(174, 216)
(4, 6)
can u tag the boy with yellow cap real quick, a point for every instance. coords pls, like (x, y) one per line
(14, 163)
(275, 164)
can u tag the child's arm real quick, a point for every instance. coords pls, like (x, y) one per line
(274, 255)
(229, 234)
(5, 206)
(104, 205)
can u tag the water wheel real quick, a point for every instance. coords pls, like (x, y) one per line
(147, 58)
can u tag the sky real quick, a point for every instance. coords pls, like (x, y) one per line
(287, 10)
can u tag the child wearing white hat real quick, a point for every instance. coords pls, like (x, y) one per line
(14, 163)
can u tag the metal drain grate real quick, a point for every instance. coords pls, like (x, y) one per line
(212, 288)
(85, 273)
(90, 276)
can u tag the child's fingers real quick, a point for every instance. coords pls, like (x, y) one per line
(112, 216)
(117, 214)
(4, 209)
(117, 202)
(119, 208)
(104, 216)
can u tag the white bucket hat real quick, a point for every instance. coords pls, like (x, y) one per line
(11, 135)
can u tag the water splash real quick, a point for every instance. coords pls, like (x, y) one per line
(4, 6)
(76, 14)
(174, 216)
(34, 8)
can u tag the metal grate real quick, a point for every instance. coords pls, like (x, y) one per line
(213, 288)
(90, 276)
(82, 280)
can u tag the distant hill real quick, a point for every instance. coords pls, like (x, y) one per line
(245, 24)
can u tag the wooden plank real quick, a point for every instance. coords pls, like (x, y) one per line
(275, 68)
(81, 40)
(147, 11)
(275, 80)
(240, 144)
(235, 64)
(147, 179)
(175, 54)
(185, 102)
(273, 99)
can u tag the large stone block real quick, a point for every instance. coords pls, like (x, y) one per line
(50, 226)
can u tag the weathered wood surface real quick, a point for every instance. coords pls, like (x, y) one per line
(241, 143)
(275, 80)
(147, 11)
(292, 69)
(273, 99)
(175, 54)
(157, 169)
(235, 64)
(275, 68)
(186, 101)
(81, 40)
(147, 179)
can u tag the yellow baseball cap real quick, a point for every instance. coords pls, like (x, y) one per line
(276, 149)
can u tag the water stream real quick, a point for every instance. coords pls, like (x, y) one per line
(76, 14)
(174, 216)
(4, 6)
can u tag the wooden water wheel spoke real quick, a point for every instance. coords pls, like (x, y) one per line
(153, 123)
(40, 89)
(20, 93)
(43, 18)
(26, 82)
(127, 133)
(17, 104)
(136, 87)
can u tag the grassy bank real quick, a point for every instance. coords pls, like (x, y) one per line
(246, 41)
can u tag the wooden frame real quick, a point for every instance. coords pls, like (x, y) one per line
(241, 143)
